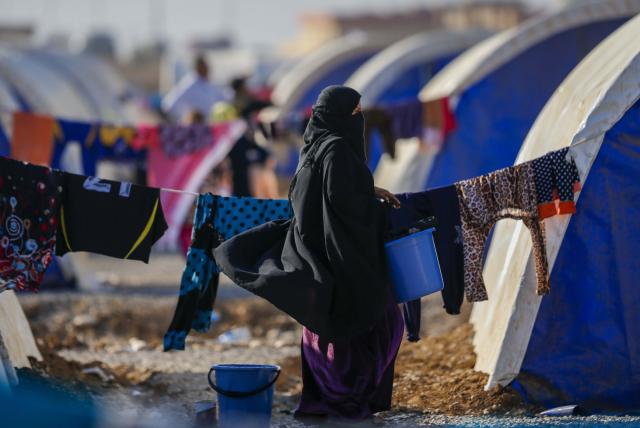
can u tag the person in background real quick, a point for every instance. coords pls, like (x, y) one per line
(252, 164)
(194, 92)
(243, 100)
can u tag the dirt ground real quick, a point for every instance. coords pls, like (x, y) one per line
(110, 346)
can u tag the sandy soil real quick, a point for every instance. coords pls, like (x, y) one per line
(121, 336)
(109, 345)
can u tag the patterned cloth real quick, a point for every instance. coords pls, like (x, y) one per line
(557, 179)
(29, 202)
(506, 193)
(118, 142)
(177, 140)
(216, 219)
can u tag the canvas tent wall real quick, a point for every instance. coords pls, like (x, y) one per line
(581, 343)
(330, 64)
(65, 85)
(110, 96)
(397, 74)
(501, 84)
(401, 70)
(44, 90)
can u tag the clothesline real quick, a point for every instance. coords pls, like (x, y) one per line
(162, 189)
(197, 194)
(6, 110)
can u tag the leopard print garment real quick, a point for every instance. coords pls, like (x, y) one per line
(506, 193)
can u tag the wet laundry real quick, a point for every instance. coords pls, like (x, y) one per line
(117, 219)
(406, 118)
(118, 143)
(216, 219)
(506, 193)
(184, 173)
(557, 179)
(85, 136)
(378, 119)
(32, 138)
(29, 201)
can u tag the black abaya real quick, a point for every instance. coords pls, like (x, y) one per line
(325, 267)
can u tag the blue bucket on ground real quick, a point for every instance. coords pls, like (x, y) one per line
(414, 267)
(245, 393)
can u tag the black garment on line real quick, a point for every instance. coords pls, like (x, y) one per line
(443, 204)
(325, 267)
(117, 219)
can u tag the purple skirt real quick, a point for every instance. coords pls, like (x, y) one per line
(353, 378)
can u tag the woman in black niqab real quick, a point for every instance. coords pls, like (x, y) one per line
(326, 267)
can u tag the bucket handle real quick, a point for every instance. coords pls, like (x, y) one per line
(237, 394)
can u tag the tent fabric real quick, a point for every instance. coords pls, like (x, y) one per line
(495, 113)
(401, 70)
(585, 344)
(593, 98)
(407, 171)
(489, 55)
(332, 63)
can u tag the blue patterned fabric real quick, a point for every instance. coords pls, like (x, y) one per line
(216, 219)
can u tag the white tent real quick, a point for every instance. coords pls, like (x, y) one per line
(590, 101)
(65, 85)
(295, 84)
(387, 66)
(44, 89)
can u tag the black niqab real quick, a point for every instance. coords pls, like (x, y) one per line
(325, 267)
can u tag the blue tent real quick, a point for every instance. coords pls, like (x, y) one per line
(397, 73)
(499, 86)
(580, 344)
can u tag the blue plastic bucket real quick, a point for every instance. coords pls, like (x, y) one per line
(413, 264)
(245, 393)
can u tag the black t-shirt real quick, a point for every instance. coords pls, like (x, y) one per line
(117, 219)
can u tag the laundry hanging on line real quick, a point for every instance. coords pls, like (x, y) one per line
(187, 173)
(43, 211)
(176, 139)
(29, 201)
(216, 219)
(43, 140)
(557, 180)
(443, 204)
(510, 192)
(112, 218)
(84, 135)
(32, 138)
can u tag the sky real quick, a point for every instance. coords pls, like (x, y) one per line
(133, 22)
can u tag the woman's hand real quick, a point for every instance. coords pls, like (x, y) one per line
(387, 196)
